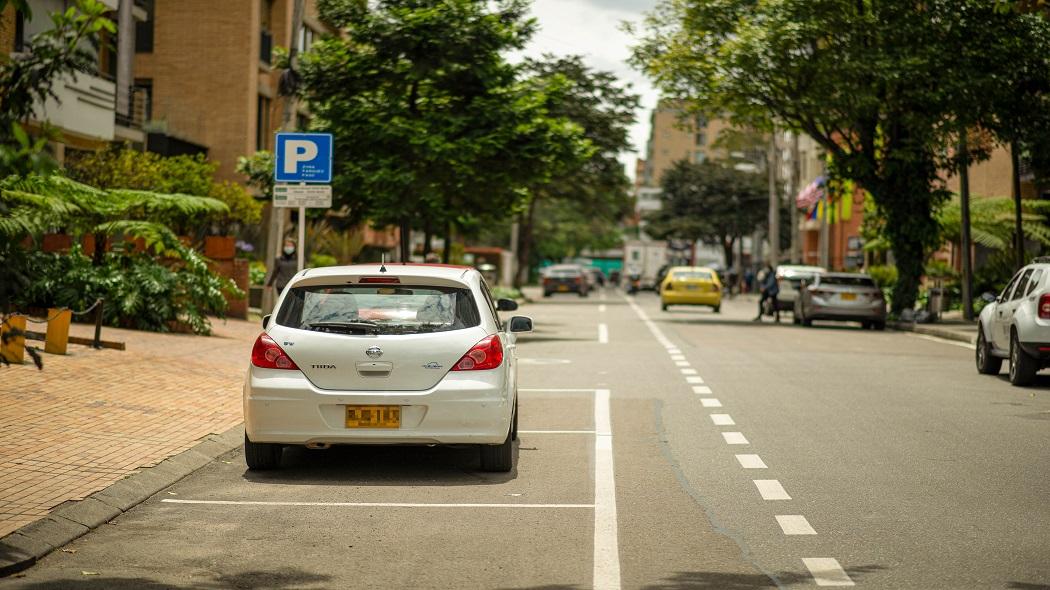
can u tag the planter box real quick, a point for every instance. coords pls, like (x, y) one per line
(236, 269)
(88, 242)
(220, 247)
(57, 242)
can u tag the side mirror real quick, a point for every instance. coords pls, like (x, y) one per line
(520, 323)
(506, 305)
(266, 320)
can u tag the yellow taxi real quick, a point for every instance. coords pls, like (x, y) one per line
(691, 285)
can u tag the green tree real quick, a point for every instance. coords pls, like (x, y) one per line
(591, 196)
(709, 201)
(433, 126)
(876, 84)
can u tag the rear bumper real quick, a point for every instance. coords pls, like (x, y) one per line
(875, 313)
(563, 288)
(463, 408)
(690, 298)
(1039, 350)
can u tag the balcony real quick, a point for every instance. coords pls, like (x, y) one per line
(83, 105)
(138, 111)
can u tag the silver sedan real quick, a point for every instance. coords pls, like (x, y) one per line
(841, 296)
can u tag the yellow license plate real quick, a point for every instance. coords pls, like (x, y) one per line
(849, 296)
(373, 416)
(563, 287)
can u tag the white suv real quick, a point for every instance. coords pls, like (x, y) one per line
(1017, 325)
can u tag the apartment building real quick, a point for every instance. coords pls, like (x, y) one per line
(207, 69)
(677, 135)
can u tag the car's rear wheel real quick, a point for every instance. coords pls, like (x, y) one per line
(879, 326)
(663, 307)
(865, 325)
(717, 308)
(262, 456)
(498, 458)
(987, 363)
(1022, 366)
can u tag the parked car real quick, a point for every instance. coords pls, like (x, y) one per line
(691, 285)
(395, 354)
(1016, 326)
(566, 278)
(841, 296)
(789, 279)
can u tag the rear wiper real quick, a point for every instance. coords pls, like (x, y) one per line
(362, 325)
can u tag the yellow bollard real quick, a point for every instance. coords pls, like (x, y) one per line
(57, 330)
(14, 350)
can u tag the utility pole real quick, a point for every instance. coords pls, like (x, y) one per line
(1015, 165)
(772, 161)
(964, 240)
(288, 124)
(125, 55)
(796, 179)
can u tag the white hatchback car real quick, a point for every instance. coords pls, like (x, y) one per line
(1016, 326)
(384, 354)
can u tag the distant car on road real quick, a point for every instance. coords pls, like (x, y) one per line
(789, 279)
(1016, 326)
(841, 296)
(394, 354)
(566, 278)
(691, 285)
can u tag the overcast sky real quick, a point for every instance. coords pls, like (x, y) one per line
(591, 28)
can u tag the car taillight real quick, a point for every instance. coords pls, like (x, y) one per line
(487, 354)
(578, 280)
(379, 280)
(266, 354)
(1044, 306)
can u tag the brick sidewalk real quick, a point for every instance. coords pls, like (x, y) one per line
(90, 418)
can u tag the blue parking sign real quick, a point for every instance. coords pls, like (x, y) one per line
(303, 157)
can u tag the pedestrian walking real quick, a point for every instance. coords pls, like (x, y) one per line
(770, 290)
(284, 268)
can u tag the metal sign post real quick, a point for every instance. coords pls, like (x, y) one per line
(303, 158)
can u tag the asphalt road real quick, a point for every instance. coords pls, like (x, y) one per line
(659, 450)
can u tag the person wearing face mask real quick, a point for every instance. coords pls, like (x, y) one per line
(284, 268)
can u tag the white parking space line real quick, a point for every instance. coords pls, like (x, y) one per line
(689, 371)
(710, 402)
(751, 462)
(371, 504)
(701, 389)
(827, 571)
(722, 420)
(606, 543)
(694, 379)
(735, 438)
(555, 432)
(795, 524)
(770, 489)
(603, 334)
(681, 363)
(545, 390)
(943, 340)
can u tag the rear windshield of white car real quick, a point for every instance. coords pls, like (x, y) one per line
(847, 281)
(379, 309)
(564, 273)
(685, 275)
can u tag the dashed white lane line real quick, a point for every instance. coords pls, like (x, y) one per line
(770, 489)
(681, 363)
(710, 402)
(689, 371)
(371, 504)
(795, 524)
(606, 545)
(677, 357)
(601, 308)
(701, 389)
(827, 571)
(735, 438)
(603, 334)
(722, 420)
(672, 350)
(751, 462)
(694, 379)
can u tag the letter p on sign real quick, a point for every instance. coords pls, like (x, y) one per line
(303, 157)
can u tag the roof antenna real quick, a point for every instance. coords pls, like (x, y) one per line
(382, 265)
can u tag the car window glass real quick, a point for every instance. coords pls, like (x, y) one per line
(488, 299)
(1033, 282)
(847, 281)
(685, 275)
(401, 309)
(1021, 285)
(1005, 295)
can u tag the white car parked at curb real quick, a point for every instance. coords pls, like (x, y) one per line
(384, 354)
(1016, 326)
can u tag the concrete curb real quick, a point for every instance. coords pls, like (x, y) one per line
(935, 330)
(22, 548)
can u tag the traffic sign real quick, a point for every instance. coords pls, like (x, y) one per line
(303, 157)
(303, 195)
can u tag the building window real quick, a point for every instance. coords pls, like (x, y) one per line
(142, 107)
(144, 28)
(699, 157)
(262, 124)
(701, 138)
(20, 31)
(306, 38)
(265, 32)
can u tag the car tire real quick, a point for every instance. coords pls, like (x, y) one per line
(262, 456)
(794, 319)
(717, 308)
(546, 294)
(987, 363)
(1022, 367)
(866, 326)
(584, 293)
(663, 307)
(498, 458)
(879, 326)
